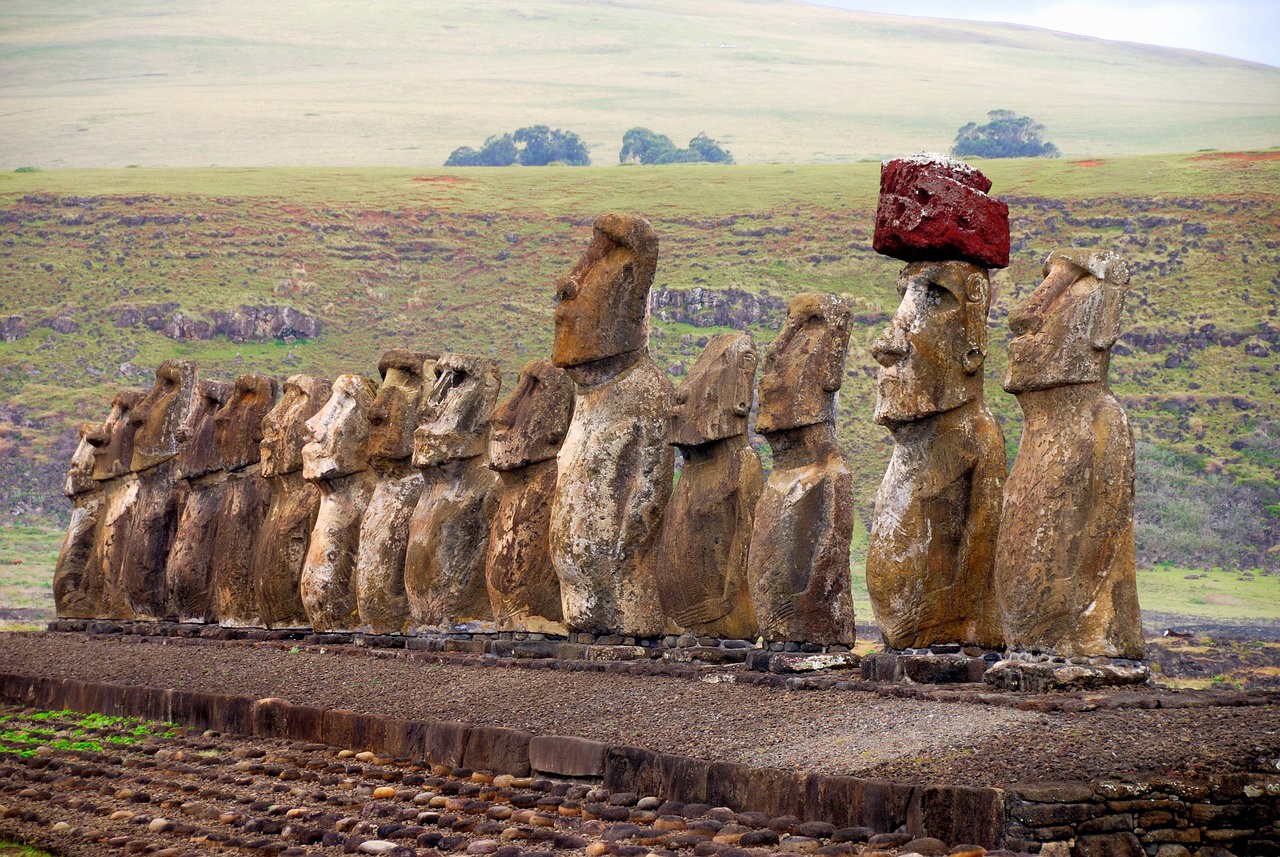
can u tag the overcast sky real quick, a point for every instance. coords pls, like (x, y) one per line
(1247, 29)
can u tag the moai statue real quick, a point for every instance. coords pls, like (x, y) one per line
(798, 571)
(930, 557)
(706, 531)
(1065, 557)
(615, 468)
(112, 443)
(77, 585)
(384, 532)
(449, 531)
(336, 461)
(525, 435)
(202, 483)
(244, 593)
(280, 544)
(157, 420)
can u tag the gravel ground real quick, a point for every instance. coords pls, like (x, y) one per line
(843, 732)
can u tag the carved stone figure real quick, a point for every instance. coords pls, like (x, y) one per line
(1065, 558)
(112, 442)
(706, 530)
(526, 433)
(280, 545)
(798, 570)
(384, 532)
(930, 558)
(157, 419)
(245, 594)
(615, 468)
(77, 584)
(336, 461)
(202, 483)
(449, 531)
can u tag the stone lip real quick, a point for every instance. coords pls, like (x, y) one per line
(934, 208)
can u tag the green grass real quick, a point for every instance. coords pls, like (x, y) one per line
(98, 83)
(1214, 594)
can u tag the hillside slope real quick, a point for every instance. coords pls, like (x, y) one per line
(105, 273)
(98, 83)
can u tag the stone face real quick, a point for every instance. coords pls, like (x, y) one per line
(200, 497)
(706, 533)
(262, 529)
(935, 208)
(525, 435)
(1065, 572)
(615, 468)
(77, 583)
(610, 284)
(335, 459)
(157, 420)
(384, 533)
(931, 554)
(112, 442)
(279, 545)
(798, 569)
(238, 423)
(449, 532)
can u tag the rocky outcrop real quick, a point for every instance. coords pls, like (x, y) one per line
(733, 308)
(246, 324)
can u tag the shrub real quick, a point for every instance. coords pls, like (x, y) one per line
(531, 146)
(1007, 135)
(642, 146)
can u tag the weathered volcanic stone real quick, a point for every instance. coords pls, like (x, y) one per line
(525, 435)
(280, 544)
(798, 570)
(239, 589)
(157, 418)
(384, 532)
(932, 550)
(112, 442)
(336, 460)
(449, 531)
(1065, 572)
(934, 208)
(77, 583)
(615, 468)
(202, 483)
(706, 530)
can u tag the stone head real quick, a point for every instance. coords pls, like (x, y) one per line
(338, 433)
(932, 352)
(161, 413)
(530, 424)
(1063, 332)
(199, 454)
(456, 413)
(715, 398)
(239, 420)
(406, 377)
(284, 426)
(602, 306)
(80, 472)
(804, 365)
(112, 440)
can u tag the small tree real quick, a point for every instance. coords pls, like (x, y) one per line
(531, 146)
(642, 146)
(1007, 135)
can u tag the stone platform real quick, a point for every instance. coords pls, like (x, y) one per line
(1021, 671)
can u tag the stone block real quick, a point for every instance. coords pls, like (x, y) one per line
(958, 814)
(632, 769)
(933, 208)
(885, 805)
(942, 669)
(566, 756)
(405, 739)
(728, 784)
(615, 653)
(1045, 814)
(1052, 792)
(497, 749)
(446, 742)
(1114, 823)
(705, 655)
(684, 778)
(342, 727)
(467, 647)
(775, 792)
(548, 649)
(836, 799)
(270, 718)
(1111, 845)
(799, 662)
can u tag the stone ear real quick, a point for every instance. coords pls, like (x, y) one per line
(977, 289)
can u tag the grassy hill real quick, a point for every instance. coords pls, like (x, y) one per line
(111, 271)
(96, 83)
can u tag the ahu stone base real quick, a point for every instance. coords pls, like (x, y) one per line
(946, 664)
(1048, 674)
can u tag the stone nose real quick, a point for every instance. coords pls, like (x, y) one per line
(890, 347)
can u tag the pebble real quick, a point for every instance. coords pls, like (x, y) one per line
(483, 846)
(61, 827)
(384, 793)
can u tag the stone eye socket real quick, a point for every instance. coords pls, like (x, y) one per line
(938, 296)
(568, 290)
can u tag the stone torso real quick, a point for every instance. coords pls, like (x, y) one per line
(384, 537)
(522, 584)
(929, 566)
(613, 485)
(328, 575)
